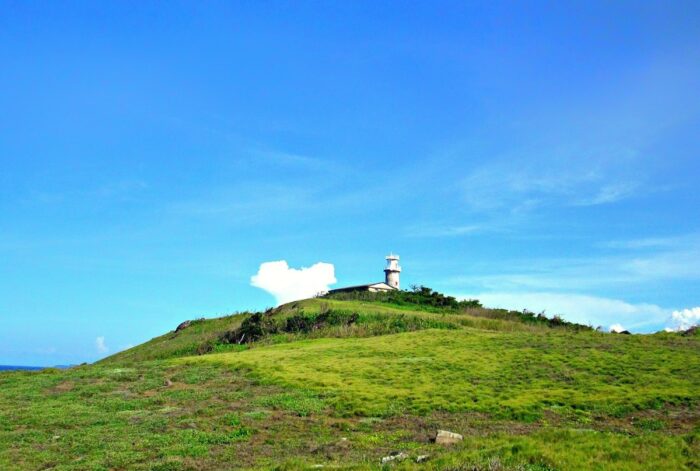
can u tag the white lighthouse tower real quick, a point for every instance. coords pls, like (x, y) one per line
(392, 270)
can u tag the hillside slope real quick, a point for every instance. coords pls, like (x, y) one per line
(345, 382)
(376, 315)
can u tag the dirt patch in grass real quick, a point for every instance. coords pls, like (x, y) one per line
(62, 387)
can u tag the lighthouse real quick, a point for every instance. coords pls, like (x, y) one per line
(391, 282)
(392, 270)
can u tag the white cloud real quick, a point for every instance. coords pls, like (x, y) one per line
(684, 319)
(290, 284)
(443, 231)
(582, 309)
(640, 263)
(100, 345)
(547, 181)
(124, 189)
(649, 242)
(617, 328)
(269, 157)
(610, 194)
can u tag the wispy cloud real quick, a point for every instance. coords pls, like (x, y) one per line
(100, 345)
(247, 202)
(262, 201)
(583, 309)
(106, 192)
(291, 160)
(562, 285)
(610, 194)
(663, 260)
(679, 241)
(502, 186)
(442, 231)
(121, 189)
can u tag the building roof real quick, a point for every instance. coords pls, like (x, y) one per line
(379, 284)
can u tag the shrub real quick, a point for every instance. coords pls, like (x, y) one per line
(417, 295)
(258, 326)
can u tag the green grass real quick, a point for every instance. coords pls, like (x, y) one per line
(527, 395)
(199, 338)
(570, 449)
(512, 375)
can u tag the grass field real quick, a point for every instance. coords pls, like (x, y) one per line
(513, 375)
(525, 394)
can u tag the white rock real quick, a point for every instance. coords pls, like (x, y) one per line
(444, 437)
(394, 457)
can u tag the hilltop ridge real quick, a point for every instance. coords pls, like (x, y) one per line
(349, 379)
(341, 314)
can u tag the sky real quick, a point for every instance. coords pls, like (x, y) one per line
(163, 161)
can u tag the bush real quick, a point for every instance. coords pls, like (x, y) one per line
(258, 326)
(529, 317)
(253, 328)
(300, 323)
(417, 295)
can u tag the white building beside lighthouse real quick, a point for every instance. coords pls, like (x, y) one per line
(390, 283)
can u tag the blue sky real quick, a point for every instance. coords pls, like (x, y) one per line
(153, 156)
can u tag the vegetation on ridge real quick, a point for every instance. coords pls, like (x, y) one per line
(418, 295)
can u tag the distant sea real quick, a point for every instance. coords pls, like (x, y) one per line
(27, 368)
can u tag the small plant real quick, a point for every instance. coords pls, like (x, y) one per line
(649, 424)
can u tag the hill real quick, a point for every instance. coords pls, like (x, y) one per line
(347, 380)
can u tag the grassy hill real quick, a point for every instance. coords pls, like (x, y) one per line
(342, 382)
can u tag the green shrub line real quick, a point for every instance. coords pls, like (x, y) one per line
(425, 298)
(418, 295)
